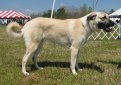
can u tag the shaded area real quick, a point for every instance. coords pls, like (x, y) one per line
(112, 62)
(67, 65)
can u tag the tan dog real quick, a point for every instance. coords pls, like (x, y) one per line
(70, 32)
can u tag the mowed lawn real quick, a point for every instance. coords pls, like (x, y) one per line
(100, 61)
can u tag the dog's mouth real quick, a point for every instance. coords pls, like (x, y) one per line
(105, 27)
(109, 29)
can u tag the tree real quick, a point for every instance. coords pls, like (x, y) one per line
(47, 14)
(72, 12)
(61, 13)
(111, 11)
(34, 15)
(90, 9)
(65, 12)
(84, 9)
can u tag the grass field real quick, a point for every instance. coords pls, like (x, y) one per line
(100, 61)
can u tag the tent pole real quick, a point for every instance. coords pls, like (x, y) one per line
(52, 9)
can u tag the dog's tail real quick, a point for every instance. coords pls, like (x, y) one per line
(14, 30)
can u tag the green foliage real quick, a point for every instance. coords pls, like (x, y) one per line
(61, 13)
(84, 9)
(68, 12)
(34, 15)
(47, 14)
(111, 11)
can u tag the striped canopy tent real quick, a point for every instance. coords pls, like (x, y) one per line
(12, 14)
(116, 14)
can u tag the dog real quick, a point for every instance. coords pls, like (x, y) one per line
(69, 32)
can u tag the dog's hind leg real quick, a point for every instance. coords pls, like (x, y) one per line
(29, 52)
(34, 57)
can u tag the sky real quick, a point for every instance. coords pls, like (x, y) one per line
(38, 6)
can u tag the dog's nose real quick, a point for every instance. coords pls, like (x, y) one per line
(112, 23)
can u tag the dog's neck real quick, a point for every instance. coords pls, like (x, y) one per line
(86, 24)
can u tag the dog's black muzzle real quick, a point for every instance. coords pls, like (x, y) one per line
(106, 26)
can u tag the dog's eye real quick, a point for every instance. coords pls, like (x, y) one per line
(103, 18)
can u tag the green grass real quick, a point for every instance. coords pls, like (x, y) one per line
(100, 61)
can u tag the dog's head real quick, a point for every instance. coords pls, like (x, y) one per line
(100, 20)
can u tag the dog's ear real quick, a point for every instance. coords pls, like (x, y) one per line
(91, 16)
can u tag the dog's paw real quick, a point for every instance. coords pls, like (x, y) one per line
(79, 69)
(74, 72)
(40, 68)
(26, 73)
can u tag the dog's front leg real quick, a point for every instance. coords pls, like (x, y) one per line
(77, 62)
(74, 52)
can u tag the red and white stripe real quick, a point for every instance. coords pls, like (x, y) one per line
(12, 14)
